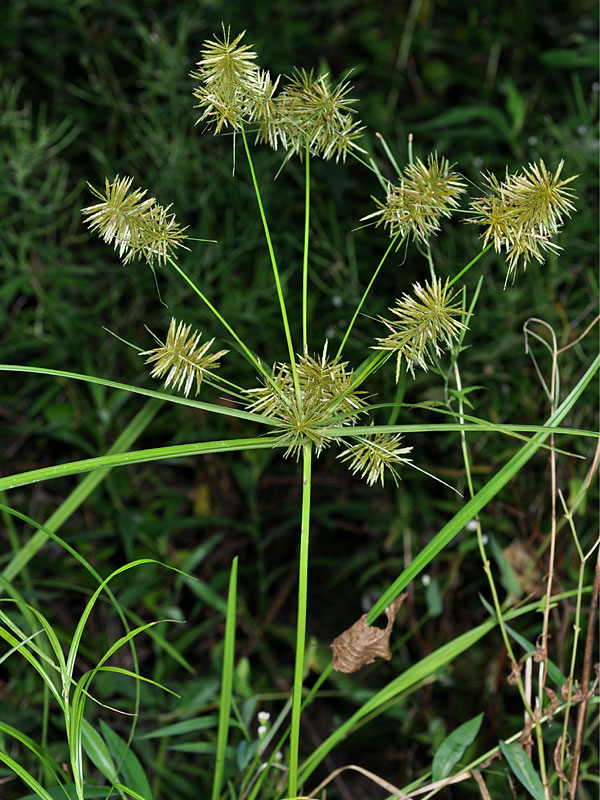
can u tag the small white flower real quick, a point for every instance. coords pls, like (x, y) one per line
(262, 729)
(263, 717)
(279, 756)
(471, 525)
(425, 579)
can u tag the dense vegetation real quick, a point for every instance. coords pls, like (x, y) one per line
(92, 90)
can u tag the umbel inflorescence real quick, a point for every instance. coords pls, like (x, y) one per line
(318, 399)
(308, 112)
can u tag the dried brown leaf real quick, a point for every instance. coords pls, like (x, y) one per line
(515, 673)
(553, 701)
(557, 765)
(361, 644)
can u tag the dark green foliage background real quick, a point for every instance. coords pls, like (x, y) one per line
(90, 89)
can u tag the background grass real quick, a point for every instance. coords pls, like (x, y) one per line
(93, 88)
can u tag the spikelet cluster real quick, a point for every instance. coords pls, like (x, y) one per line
(416, 205)
(308, 112)
(522, 213)
(312, 113)
(375, 453)
(232, 88)
(325, 393)
(138, 226)
(421, 324)
(181, 360)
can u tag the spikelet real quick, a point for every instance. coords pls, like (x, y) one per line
(181, 359)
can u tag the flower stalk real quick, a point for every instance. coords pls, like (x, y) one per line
(301, 620)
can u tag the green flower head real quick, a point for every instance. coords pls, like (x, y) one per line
(415, 206)
(421, 324)
(325, 395)
(521, 214)
(139, 227)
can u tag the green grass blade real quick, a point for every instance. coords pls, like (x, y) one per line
(226, 682)
(45, 758)
(420, 671)
(111, 460)
(126, 387)
(123, 613)
(130, 766)
(88, 610)
(68, 507)
(482, 498)
(18, 646)
(25, 777)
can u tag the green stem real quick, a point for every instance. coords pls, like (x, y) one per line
(494, 591)
(301, 623)
(469, 265)
(221, 319)
(365, 293)
(284, 315)
(305, 254)
(226, 682)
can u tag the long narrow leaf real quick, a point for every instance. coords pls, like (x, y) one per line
(81, 492)
(226, 682)
(133, 457)
(25, 777)
(481, 499)
(126, 387)
(420, 671)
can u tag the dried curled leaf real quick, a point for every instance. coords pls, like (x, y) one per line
(361, 644)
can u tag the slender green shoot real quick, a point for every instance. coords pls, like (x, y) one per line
(366, 292)
(284, 316)
(469, 265)
(305, 251)
(226, 682)
(249, 354)
(301, 622)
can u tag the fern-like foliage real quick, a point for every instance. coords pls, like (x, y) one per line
(181, 359)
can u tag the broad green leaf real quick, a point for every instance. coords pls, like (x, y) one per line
(523, 768)
(182, 728)
(452, 748)
(97, 751)
(129, 764)
(433, 598)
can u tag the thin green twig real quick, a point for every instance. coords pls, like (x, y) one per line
(305, 253)
(301, 622)
(365, 293)
(284, 316)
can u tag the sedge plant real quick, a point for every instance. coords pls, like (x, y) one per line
(313, 399)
